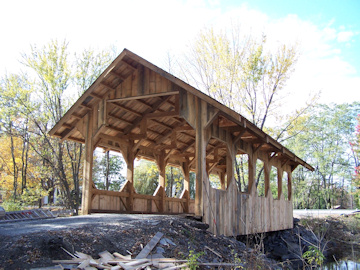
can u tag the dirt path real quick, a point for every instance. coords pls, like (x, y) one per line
(62, 223)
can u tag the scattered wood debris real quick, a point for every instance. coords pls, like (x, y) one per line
(117, 261)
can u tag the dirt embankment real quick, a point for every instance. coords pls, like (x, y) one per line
(46, 240)
(127, 236)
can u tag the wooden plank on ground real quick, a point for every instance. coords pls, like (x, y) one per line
(106, 256)
(149, 247)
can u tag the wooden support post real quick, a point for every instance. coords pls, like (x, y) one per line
(289, 173)
(267, 178)
(280, 175)
(88, 164)
(252, 173)
(186, 192)
(222, 180)
(129, 157)
(160, 190)
(230, 161)
(200, 154)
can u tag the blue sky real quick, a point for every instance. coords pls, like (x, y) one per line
(342, 15)
(328, 33)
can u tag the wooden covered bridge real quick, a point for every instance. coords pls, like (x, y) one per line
(141, 111)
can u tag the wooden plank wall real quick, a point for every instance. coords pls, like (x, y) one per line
(144, 81)
(230, 212)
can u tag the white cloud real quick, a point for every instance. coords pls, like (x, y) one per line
(345, 36)
(151, 28)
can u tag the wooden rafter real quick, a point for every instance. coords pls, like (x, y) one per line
(128, 109)
(145, 96)
(155, 107)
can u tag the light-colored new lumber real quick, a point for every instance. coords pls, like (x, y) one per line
(149, 247)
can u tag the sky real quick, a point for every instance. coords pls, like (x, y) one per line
(327, 31)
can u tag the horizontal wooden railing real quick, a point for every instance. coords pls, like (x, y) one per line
(115, 201)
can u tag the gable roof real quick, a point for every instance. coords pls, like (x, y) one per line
(127, 72)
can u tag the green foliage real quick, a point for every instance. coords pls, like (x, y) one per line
(322, 139)
(11, 206)
(237, 260)
(314, 255)
(274, 182)
(146, 177)
(174, 181)
(89, 66)
(355, 147)
(32, 194)
(260, 177)
(107, 171)
(242, 172)
(192, 259)
(30, 104)
(215, 181)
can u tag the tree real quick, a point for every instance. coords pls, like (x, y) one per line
(174, 181)
(107, 171)
(240, 72)
(56, 74)
(146, 177)
(323, 141)
(52, 68)
(243, 74)
(355, 147)
(14, 95)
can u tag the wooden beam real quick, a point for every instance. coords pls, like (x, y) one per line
(192, 162)
(238, 137)
(155, 107)
(167, 135)
(137, 145)
(115, 128)
(119, 119)
(211, 120)
(108, 87)
(258, 147)
(188, 147)
(77, 116)
(108, 146)
(169, 154)
(76, 140)
(144, 96)
(272, 156)
(144, 103)
(128, 109)
(119, 76)
(284, 162)
(68, 134)
(156, 122)
(98, 132)
(162, 115)
(184, 128)
(96, 96)
(86, 107)
(128, 65)
(113, 139)
(88, 165)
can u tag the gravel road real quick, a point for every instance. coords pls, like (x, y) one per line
(60, 223)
